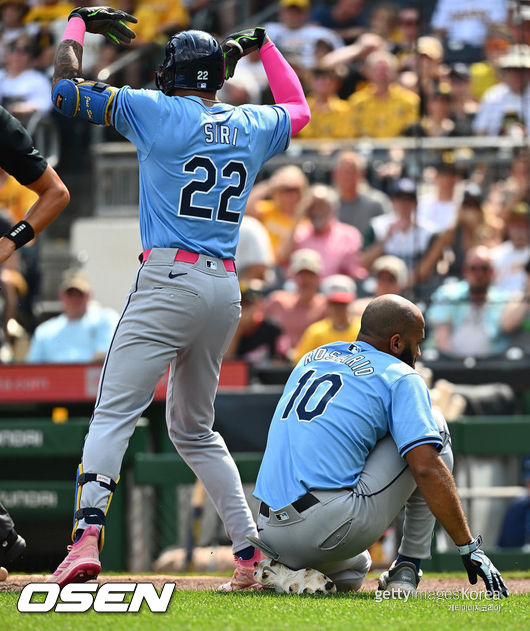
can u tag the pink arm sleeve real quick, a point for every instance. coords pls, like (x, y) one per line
(285, 86)
(75, 29)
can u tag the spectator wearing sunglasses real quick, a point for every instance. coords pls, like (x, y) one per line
(465, 316)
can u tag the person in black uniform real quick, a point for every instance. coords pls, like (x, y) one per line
(19, 158)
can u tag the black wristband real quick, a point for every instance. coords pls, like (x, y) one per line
(21, 233)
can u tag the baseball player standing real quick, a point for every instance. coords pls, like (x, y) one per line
(19, 158)
(198, 160)
(353, 440)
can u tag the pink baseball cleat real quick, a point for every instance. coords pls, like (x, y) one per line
(243, 577)
(82, 561)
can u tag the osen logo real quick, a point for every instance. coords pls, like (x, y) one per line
(108, 598)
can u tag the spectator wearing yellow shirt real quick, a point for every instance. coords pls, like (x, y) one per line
(279, 212)
(47, 11)
(159, 18)
(485, 73)
(329, 114)
(383, 109)
(341, 323)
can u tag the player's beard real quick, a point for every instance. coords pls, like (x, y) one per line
(407, 356)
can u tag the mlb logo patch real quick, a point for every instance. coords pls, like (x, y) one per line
(201, 86)
(211, 264)
(282, 516)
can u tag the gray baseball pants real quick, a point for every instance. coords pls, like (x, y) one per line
(185, 321)
(333, 535)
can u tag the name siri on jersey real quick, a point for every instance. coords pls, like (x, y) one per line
(222, 134)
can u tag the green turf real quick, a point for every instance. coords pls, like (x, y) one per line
(262, 611)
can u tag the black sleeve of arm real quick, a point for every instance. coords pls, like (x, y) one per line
(18, 156)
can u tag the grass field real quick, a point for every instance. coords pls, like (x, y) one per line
(251, 611)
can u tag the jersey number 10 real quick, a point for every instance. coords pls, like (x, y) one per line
(188, 208)
(322, 397)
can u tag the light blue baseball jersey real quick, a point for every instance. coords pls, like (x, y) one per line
(197, 165)
(338, 402)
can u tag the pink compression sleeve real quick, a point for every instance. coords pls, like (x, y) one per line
(75, 29)
(285, 86)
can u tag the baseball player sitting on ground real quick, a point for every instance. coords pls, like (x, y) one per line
(198, 161)
(353, 440)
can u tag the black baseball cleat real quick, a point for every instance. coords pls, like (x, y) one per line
(11, 548)
(400, 579)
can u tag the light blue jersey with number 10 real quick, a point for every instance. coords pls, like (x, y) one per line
(338, 402)
(197, 165)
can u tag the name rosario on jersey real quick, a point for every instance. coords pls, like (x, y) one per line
(221, 134)
(358, 364)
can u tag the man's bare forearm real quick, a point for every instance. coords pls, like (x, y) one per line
(68, 59)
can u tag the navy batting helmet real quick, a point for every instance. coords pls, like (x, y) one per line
(194, 60)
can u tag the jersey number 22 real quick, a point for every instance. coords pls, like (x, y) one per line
(189, 208)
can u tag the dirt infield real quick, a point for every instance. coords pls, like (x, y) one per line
(16, 582)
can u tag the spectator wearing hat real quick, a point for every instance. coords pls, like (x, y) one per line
(83, 331)
(341, 322)
(463, 106)
(23, 91)
(510, 257)
(429, 69)
(338, 244)
(359, 203)
(402, 233)
(464, 24)
(296, 37)
(382, 109)
(295, 310)
(391, 277)
(466, 316)
(505, 108)
(257, 337)
(437, 122)
(515, 530)
(329, 114)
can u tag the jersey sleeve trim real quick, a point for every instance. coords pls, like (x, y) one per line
(437, 442)
(115, 104)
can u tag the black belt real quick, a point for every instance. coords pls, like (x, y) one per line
(300, 505)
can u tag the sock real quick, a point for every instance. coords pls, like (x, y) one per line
(246, 554)
(78, 534)
(416, 562)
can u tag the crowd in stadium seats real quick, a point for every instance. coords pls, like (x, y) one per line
(446, 227)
